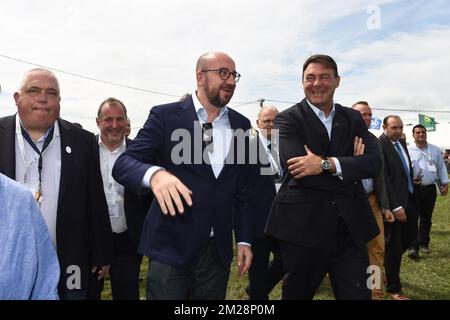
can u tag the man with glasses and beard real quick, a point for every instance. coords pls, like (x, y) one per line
(187, 234)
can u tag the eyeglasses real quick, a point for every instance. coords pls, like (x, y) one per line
(267, 121)
(224, 73)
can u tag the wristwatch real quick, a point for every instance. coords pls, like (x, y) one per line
(326, 165)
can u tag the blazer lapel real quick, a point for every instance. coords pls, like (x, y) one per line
(232, 156)
(339, 132)
(189, 120)
(8, 142)
(67, 161)
(320, 132)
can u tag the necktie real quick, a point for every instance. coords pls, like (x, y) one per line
(405, 166)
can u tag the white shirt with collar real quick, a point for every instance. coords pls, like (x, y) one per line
(429, 163)
(328, 123)
(273, 162)
(114, 192)
(222, 137)
(27, 172)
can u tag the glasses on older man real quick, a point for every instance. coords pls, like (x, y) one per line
(224, 73)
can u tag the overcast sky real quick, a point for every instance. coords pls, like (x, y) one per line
(393, 53)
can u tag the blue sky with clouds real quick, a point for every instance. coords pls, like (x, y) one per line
(154, 45)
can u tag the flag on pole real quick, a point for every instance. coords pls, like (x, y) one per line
(375, 124)
(428, 122)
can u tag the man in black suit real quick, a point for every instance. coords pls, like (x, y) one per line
(127, 210)
(264, 274)
(400, 234)
(58, 162)
(190, 154)
(321, 215)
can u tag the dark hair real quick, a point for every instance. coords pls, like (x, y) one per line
(360, 102)
(324, 60)
(385, 120)
(418, 126)
(112, 101)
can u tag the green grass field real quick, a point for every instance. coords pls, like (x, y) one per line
(427, 279)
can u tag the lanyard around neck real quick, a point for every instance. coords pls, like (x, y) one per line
(21, 132)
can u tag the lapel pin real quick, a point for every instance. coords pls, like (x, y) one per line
(68, 150)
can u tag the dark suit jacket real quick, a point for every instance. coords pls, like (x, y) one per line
(181, 240)
(396, 180)
(263, 187)
(136, 207)
(379, 180)
(305, 211)
(83, 230)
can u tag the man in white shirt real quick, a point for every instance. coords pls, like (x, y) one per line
(56, 161)
(429, 167)
(126, 210)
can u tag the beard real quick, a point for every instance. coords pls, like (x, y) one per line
(213, 95)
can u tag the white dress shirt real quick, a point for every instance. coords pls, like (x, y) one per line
(428, 163)
(114, 192)
(328, 122)
(28, 175)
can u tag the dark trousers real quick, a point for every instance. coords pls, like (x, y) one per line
(264, 274)
(305, 268)
(124, 271)
(425, 200)
(74, 294)
(399, 237)
(206, 281)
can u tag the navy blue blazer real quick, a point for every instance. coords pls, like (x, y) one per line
(181, 240)
(305, 211)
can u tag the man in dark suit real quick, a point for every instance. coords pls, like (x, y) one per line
(321, 216)
(399, 182)
(264, 274)
(196, 178)
(378, 198)
(58, 162)
(127, 210)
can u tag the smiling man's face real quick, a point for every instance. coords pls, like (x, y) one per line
(319, 84)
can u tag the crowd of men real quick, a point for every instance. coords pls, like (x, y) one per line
(313, 188)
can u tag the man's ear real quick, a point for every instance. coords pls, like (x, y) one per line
(16, 97)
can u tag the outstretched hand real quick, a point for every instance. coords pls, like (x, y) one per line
(169, 190)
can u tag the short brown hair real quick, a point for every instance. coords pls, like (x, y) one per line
(324, 60)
